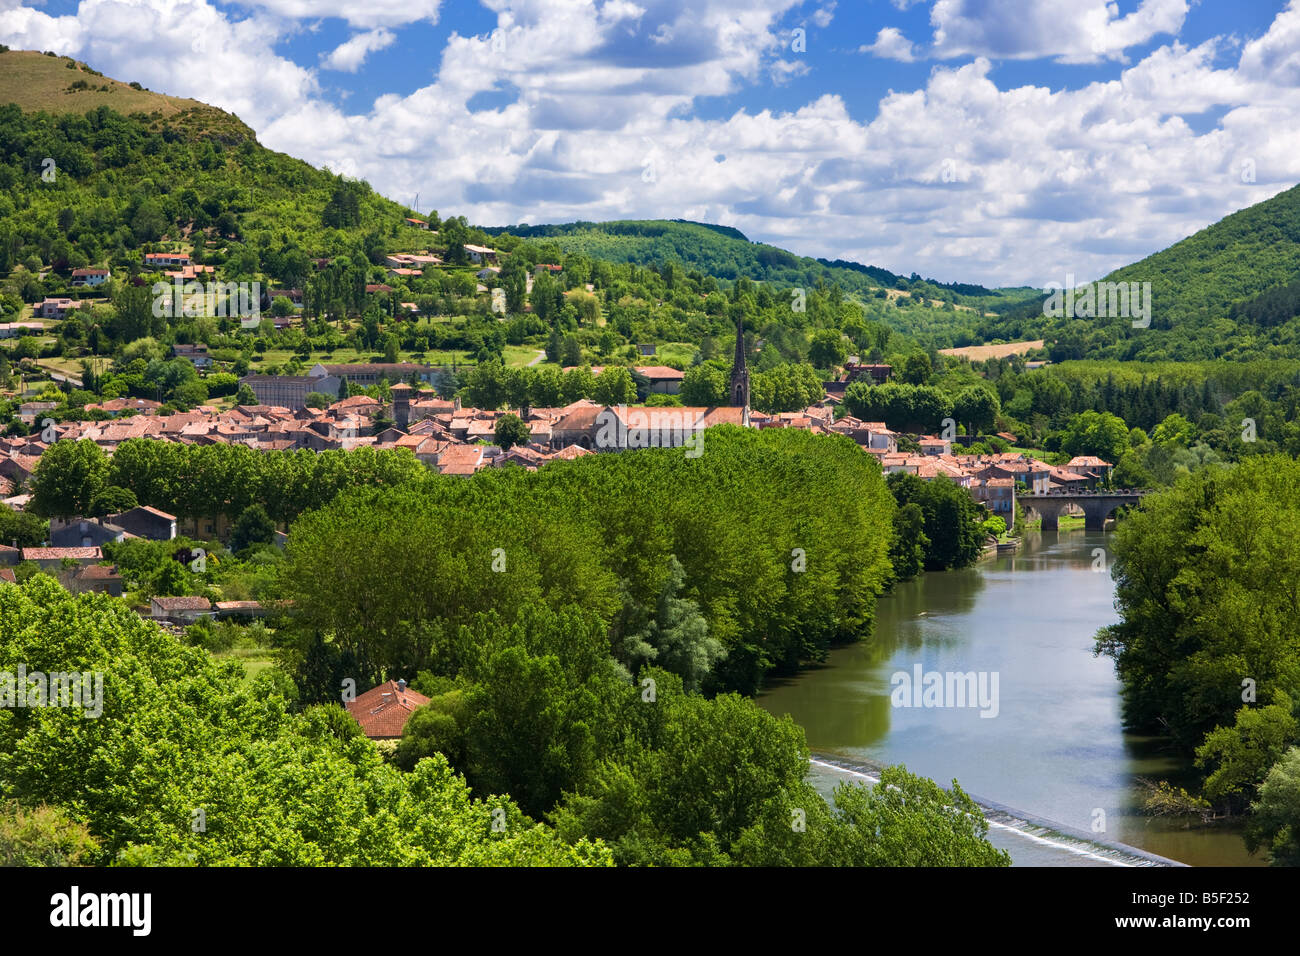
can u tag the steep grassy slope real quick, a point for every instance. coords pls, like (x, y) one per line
(59, 84)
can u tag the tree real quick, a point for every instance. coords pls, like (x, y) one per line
(22, 527)
(952, 526)
(111, 500)
(1242, 754)
(344, 206)
(1204, 572)
(907, 553)
(994, 526)
(704, 385)
(67, 479)
(254, 526)
(437, 727)
(1275, 818)
(390, 348)
(570, 351)
(673, 634)
(827, 348)
(977, 408)
(246, 395)
(511, 430)
(1174, 430)
(904, 820)
(1099, 434)
(43, 836)
(916, 369)
(614, 386)
(294, 789)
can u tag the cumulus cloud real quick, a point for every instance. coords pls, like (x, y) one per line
(961, 178)
(891, 45)
(1073, 31)
(366, 13)
(823, 16)
(349, 55)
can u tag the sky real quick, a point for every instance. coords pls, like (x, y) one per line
(1002, 142)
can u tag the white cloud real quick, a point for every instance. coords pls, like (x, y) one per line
(1047, 182)
(785, 70)
(1074, 31)
(349, 55)
(358, 13)
(891, 45)
(823, 16)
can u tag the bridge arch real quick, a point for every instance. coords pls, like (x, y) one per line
(1097, 506)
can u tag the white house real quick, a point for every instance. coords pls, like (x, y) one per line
(90, 277)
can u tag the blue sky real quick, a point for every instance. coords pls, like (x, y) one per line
(993, 141)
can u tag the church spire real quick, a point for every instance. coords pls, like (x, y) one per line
(739, 371)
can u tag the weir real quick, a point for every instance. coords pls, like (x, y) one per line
(1061, 837)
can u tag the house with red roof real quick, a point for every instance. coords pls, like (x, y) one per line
(383, 711)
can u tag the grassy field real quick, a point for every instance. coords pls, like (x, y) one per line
(255, 659)
(980, 353)
(522, 354)
(346, 356)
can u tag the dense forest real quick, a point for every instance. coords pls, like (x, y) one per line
(1207, 580)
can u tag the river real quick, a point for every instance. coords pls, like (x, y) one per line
(1052, 761)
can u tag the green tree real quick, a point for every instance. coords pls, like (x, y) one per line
(704, 385)
(1100, 434)
(827, 348)
(68, 478)
(907, 553)
(977, 408)
(254, 526)
(111, 500)
(614, 386)
(1275, 819)
(43, 836)
(511, 430)
(1174, 430)
(1241, 755)
(916, 369)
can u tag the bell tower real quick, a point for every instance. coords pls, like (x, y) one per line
(739, 371)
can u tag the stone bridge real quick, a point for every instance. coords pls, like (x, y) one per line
(1097, 505)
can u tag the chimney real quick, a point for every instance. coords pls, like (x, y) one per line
(401, 685)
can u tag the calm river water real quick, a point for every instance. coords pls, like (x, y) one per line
(1054, 763)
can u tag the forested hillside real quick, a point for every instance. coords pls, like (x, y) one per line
(725, 252)
(1226, 292)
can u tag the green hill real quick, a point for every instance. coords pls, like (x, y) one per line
(1223, 293)
(92, 174)
(727, 253)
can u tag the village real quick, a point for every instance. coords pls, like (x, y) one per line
(451, 440)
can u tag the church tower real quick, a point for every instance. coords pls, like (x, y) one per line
(739, 371)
